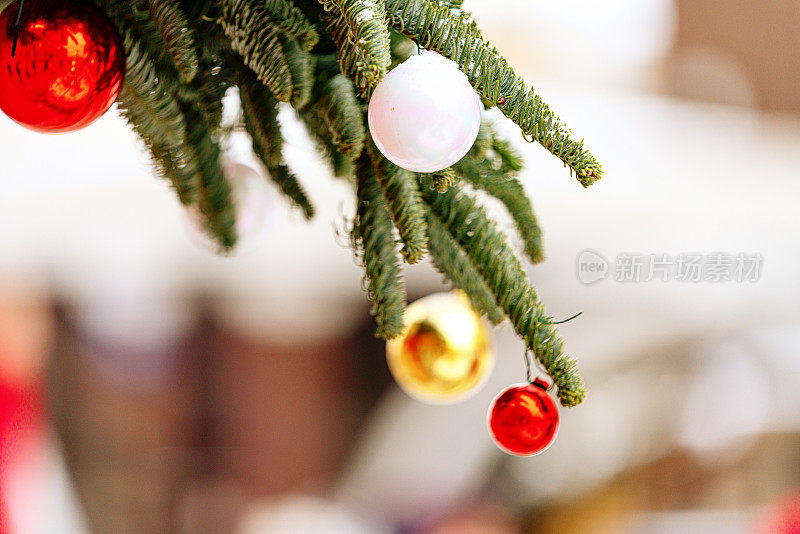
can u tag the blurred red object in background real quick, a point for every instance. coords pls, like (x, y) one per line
(783, 517)
(21, 425)
(25, 334)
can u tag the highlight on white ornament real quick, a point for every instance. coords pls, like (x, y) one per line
(424, 116)
(253, 201)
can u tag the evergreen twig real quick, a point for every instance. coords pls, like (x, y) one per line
(177, 34)
(451, 260)
(361, 34)
(401, 191)
(497, 179)
(342, 113)
(373, 239)
(214, 193)
(292, 21)
(501, 270)
(256, 37)
(261, 122)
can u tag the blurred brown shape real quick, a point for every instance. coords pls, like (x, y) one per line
(25, 332)
(762, 38)
(237, 420)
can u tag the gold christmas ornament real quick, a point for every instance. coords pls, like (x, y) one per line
(444, 354)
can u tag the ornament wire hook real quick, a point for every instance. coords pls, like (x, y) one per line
(567, 320)
(528, 369)
(16, 27)
(526, 356)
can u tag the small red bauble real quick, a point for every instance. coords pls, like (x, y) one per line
(523, 419)
(68, 68)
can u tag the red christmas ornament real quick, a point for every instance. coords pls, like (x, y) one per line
(68, 67)
(523, 419)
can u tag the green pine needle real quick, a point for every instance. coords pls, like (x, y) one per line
(177, 34)
(261, 122)
(451, 260)
(293, 22)
(152, 109)
(342, 113)
(290, 186)
(361, 34)
(402, 196)
(301, 70)
(373, 238)
(256, 37)
(214, 195)
(500, 182)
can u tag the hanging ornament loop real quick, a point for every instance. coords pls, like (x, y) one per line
(528, 359)
(16, 28)
(529, 378)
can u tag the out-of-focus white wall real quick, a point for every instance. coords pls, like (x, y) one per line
(590, 44)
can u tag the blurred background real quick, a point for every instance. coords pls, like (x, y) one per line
(147, 386)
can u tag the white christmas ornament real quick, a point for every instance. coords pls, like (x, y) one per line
(424, 116)
(253, 202)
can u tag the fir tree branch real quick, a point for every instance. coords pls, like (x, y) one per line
(152, 110)
(214, 195)
(261, 122)
(504, 275)
(342, 113)
(176, 166)
(483, 143)
(301, 70)
(291, 187)
(260, 112)
(334, 117)
(170, 42)
(510, 158)
(138, 18)
(209, 86)
(320, 132)
(508, 190)
(149, 104)
(373, 240)
(439, 181)
(450, 260)
(177, 34)
(293, 22)
(403, 199)
(255, 36)
(197, 9)
(437, 28)
(361, 34)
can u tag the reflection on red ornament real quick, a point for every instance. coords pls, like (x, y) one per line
(68, 67)
(523, 419)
